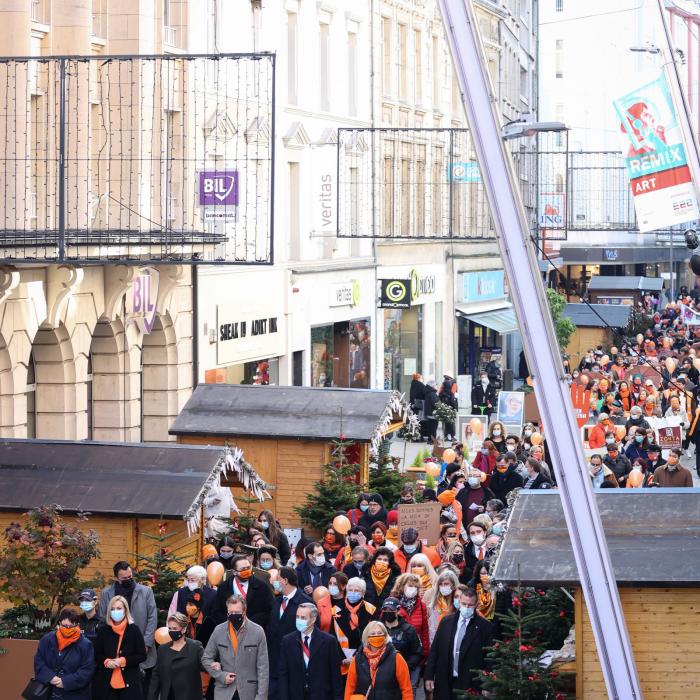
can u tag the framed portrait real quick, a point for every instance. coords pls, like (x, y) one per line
(511, 410)
(472, 430)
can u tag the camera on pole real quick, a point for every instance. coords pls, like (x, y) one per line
(692, 241)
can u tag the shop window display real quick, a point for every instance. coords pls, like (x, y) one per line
(341, 355)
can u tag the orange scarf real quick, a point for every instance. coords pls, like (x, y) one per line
(192, 626)
(234, 638)
(379, 578)
(66, 637)
(347, 554)
(374, 656)
(425, 583)
(486, 603)
(354, 620)
(117, 679)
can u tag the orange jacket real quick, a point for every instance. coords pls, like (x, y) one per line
(596, 438)
(433, 557)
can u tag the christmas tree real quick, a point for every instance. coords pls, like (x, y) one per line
(246, 517)
(384, 478)
(557, 609)
(162, 570)
(335, 492)
(514, 661)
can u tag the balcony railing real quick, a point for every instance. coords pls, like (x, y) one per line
(132, 159)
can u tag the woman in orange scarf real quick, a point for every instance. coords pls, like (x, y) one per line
(119, 649)
(378, 668)
(490, 602)
(383, 572)
(64, 658)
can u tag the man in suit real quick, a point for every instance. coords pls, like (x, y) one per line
(459, 648)
(309, 660)
(483, 395)
(142, 605)
(236, 655)
(257, 593)
(282, 621)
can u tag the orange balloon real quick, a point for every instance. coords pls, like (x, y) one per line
(475, 424)
(320, 593)
(696, 363)
(584, 379)
(209, 550)
(162, 636)
(215, 572)
(432, 468)
(536, 438)
(670, 364)
(449, 455)
(620, 432)
(341, 524)
(635, 479)
(528, 381)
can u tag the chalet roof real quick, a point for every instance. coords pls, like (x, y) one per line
(133, 480)
(309, 413)
(653, 537)
(589, 316)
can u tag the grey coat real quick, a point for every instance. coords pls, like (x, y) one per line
(250, 664)
(145, 613)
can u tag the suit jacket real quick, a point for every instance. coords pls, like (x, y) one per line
(322, 677)
(145, 613)
(181, 673)
(472, 655)
(259, 599)
(250, 664)
(278, 626)
(481, 397)
(304, 574)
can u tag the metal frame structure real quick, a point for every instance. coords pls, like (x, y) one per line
(542, 351)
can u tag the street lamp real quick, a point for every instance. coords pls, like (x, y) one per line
(520, 128)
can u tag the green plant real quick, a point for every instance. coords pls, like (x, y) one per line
(384, 478)
(564, 327)
(162, 570)
(336, 491)
(557, 610)
(443, 412)
(40, 562)
(429, 481)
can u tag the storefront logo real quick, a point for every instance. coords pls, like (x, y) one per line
(218, 188)
(241, 329)
(421, 286)
(143, 299)
(395, 294)
(345, 294)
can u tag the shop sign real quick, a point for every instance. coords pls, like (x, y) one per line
(347, 294)
(421, 285)
(552, 205)
(218, 194)
(324, 168)
(483, 286)
(242, 338)
(610, 254)
(463, 171)
(395, 294)
(142, 300)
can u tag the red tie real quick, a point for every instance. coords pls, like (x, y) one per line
(305, 648)
(240, 588)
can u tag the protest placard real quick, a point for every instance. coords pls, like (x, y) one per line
(425, 517)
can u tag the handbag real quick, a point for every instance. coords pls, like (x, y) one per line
(36, 690)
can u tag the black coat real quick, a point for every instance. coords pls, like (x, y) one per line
(322, 676)
(304, 574)
(367, 519)
(278, 626)
(202, 631)
(364, 617)
(406, 641)
(472, 655)
(416, 391)
(259, 601)
(133, 649)
(540, 482)
(503, 484)
(431, 400)
(184, 593)
(372, 595)
(177, 671)
(471, 559)
(481, 397)
(284, 551)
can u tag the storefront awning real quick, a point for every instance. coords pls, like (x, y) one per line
(502, 320)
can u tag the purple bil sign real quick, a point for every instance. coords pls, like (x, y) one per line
(218, 188)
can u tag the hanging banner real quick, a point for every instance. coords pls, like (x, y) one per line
(689, 316)
(657, 166)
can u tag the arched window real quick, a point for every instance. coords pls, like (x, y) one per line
(31, 397)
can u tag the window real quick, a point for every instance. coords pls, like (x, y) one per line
(405, 189)
(30, 393)
(419, 179)
(292, 58)
(294, 230)
(388, 196)
(559, 5)
(436, 72)
(524, 84)
(352, 74)
(418, 65)
(559, 58)
(169, 32)
(386, 55)
(436, 191)
(90, 401)
(323, 58)
(403, 62)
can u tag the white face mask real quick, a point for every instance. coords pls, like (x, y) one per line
(528, 433)
(445, 590)
(320, 560)
(410, 591)
(478, 540)
(192, 585)
(497, 432)
(474, 481)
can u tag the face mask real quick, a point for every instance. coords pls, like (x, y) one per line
(474, 481)
(236, 620)
(418, 570)
(527, 433)
(484, 450)
(389, 616)
(381, 566)
(445, 590)
(192, 585)
(456, 603)
(478, 540)
(86, 605)
(639, 438)
(497, 432)
(127, 585)
(175, 635)
(117, 615)
(277, 585)
(672, 466)
(497, 529)
(334, 591)
(364, 508)
(502, 468)
(376, 641)
(409, 548)
(225, 555)
(301, 625)
(511, 447)
(320, 560)
(484, 380)
(460, 486)
(458, 557)
(410, 591)
(359, 565)
(266, 565)
(378, 537)
(466, 613)
(265, 524)
(610, 440)
(354, 597)
(244, 574)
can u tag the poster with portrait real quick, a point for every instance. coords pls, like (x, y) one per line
(511, 410)
(472, 430)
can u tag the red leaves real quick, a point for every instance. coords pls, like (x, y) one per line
(517, 603)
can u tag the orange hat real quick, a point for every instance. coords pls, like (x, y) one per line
(209, 550)
(446, 498)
